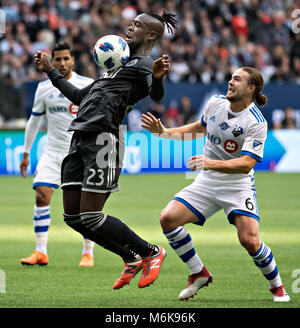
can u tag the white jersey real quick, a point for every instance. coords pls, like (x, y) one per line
(230, 135)
(59, 111)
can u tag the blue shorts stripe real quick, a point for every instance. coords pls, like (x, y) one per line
(45, 184)
(181, 242)
(41, 229)
(190, 207)
(230, 216)
(188, 255)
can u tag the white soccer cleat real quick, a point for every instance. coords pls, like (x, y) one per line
(195, 282)
(279, 294)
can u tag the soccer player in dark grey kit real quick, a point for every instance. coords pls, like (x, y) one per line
(88, 177)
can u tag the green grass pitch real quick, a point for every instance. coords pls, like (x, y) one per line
(62, 284)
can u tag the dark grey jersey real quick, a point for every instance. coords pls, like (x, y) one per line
(103, 104)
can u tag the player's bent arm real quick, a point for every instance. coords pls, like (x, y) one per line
(31, 131)
(157, 90)
(68, 89)
(243, 164)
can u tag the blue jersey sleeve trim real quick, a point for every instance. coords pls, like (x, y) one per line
(244, 152)
(190, 207)
(45, 184)
(203, 122)
(230, 216)
(37, 114)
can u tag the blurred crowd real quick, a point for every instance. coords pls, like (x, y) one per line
(213, 38)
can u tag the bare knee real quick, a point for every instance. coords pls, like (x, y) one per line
(168, 220)
(250, 242)
(42, 198)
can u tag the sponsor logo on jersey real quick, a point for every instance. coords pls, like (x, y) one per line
(237, 131)
(257, 145)
(214, 139)
(73, 109)
(57, 109)
(224, 126)
(231, 146)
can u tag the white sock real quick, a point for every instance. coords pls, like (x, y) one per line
(41, 223)
(265, 261)
(181, 241)
(88, 246)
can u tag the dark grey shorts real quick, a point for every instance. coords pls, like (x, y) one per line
(94, 162)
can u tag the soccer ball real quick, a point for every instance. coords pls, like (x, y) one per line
(110, 52)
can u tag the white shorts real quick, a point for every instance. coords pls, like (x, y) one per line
(206, 196)
(48, 170)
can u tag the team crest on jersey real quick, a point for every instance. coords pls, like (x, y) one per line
(257, 145)
(231, 146)
(237, 131)
(131, 63)
(224, 126)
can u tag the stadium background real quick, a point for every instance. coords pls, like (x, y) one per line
(213, 39)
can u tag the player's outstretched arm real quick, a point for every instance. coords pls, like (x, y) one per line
(67, 89)
(161, 67)
(186, 132)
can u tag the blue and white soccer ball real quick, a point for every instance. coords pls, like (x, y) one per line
(110, 52)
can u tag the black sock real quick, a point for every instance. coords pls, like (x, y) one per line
(114, 229)
(75, 222)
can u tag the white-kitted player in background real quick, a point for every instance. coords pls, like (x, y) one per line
(59, 112)
(235, 136)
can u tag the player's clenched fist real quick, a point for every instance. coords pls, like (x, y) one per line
(161, 66)
(42, 61)
(24, 164)
(199, 162)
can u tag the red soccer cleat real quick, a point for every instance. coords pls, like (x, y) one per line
(129, 272)
(195, 282)
(279, 294)
(151, 268)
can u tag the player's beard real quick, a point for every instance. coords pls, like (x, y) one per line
(234, 98)
(133, 46)
(65, 72)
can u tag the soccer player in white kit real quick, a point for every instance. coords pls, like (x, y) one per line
(59, 112)
(235, 132)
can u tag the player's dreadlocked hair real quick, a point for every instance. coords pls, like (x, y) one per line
(167, 19)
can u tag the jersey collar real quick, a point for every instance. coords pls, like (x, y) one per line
(241, 112)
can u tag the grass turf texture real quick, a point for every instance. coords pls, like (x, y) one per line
(237, 281)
